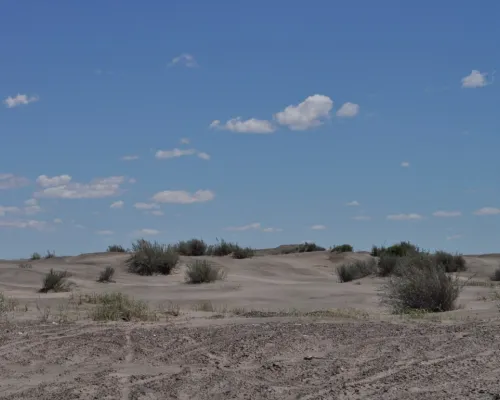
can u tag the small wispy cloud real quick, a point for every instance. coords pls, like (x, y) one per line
(272, 230)
(147, 231)
(184, 59)
(11, 181)
(185, 141)
(255, 225)
(348, 110)
(19, 100)
(318, 227)
(117, 204)
(238, 125)
(405, 164)
(447, 214)
(404, 217)
(146, 206)
(362, 218)
(158, 213)
(24, 224)
(130, 158)
(475, 79)
(204, 156)
(61, 187)
(58, 221)
(453, 237)
(183, 197)
(353, 203)
(487, 211)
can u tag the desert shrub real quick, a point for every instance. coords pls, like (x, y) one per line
(193, 247)
(117, 306)
(35, 256)
(116, 248)
(56, 281)
(356, 270)
(243, 252)
(309, 247)
(401, 249)
(149, 258)
(106, 275)
(343, 248)
(203, 271)
(25, 266)
(387, 264)
(222, 248)
(7, 304)
(422, 284)
(496, 275)
(451, 262)
(50, 254)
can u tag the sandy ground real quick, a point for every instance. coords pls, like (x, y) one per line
(353, 350)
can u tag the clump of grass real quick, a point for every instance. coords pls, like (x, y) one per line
(149, 258)
(203, 271)
(387, 264)
(193, 247)
(222, 248)
(451, 262)
(343, 248)
(496, 275)
(106, 275)
(25, 266)
(35, 256)
(55, 281)
(243, 252)
(7, 304)
(120, 307)
(116, 248)
(422, 285)
(356, 270)
(50, 254)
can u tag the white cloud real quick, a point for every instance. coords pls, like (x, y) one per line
(117, 204)
(174, 153)
(405, 164)
(445, 214)
(20, 99)
(130, 158)
(271, 230)
(307, 114)
(476, 79)
(348, 110)
(318, 227)
(79, 226)
(147, 231)
(58, 221)
(185, 141)
(31, 202)
(30, 210)
(404, 217)
(361, 218)
(183, 197)
(255, 225)
(11, 181)
(45, 181)
(185, 59)
(97, 188)
(33, 224)
(453, 237)
(487, 211)
(146, 206)
(8, 210)
(204, 156)
(251, 125)
(105, 232)
(353, 203)
(132, 180)
(158, 213)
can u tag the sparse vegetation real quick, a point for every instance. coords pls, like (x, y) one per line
(451, 262)
(243, 252)
(496, 275)
(7, 304)
(149, 258)
(50, 254)
(35, 256)
(25, 266)
(387, 264)
(422, 284)
(343, 248)
(222, 248)
(356, 270)
(203, 271)
(193, 247)
(119, 307)
(116, 248)
(309, 247)
(401, 249)
(55, 281)
(106, 275)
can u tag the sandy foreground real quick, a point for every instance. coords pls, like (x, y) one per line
(279, 327)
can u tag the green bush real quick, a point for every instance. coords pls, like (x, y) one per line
(193, 247)
(106, 275)
(356, 270)
(56, 281)
(309, 247)
(203, 271)
(401, 249)
(149, 258)
(35, 256)
(243, 252)
(50, 254)
(387, 264)
(120, 307)
(451, 262)
(222, 248)
(116, 248)
(496, 275)
(343, 248)
(422, 284)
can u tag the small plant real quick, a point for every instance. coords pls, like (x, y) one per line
(106, 275)
(309, 247)
(116, 248)
(151, 258)
(50, 254)
(203, 271)
(243, 252)
(222, 248)
(25, 266)
(120, 307)
(451, 262)
(35, 256)
(356, 270)
(343, 248)
(387, 264)
(423, 285)
(7, 304)
(55, 281)
(193, 247)
(496, 275)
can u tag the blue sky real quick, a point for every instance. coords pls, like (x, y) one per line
(259, 122)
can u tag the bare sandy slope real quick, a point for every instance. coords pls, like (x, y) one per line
(202, 355)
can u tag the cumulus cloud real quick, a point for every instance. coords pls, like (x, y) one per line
(308, 114)
(11, 181)
(405, 164)
(8, 210)
(487, 211)
(238, 125)
(348, 110)
(97, 188)
(130, 158)
(404, 217)
(105, 232)
(117, 204)
(146, 206)
(183, 197)
(184, 59)
(147, 231)
(19, 100)
(255, 225)
(447, 214)
(474, 80)
(45, 181)
(204, 156)
(318, 227)
(353, 203)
